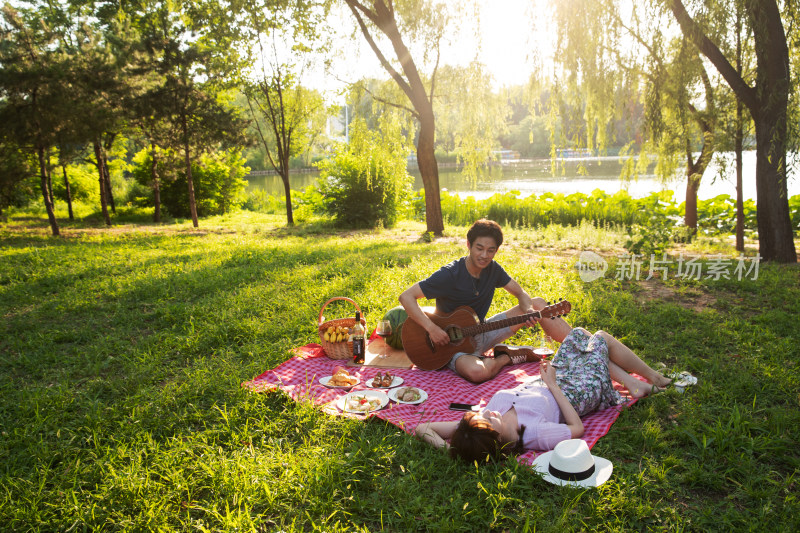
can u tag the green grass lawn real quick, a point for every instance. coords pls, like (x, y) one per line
(123, 350)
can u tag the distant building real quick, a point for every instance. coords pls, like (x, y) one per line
(336, 127)
(506, 155)
(566, 153)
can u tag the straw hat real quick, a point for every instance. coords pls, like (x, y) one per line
(571, 464)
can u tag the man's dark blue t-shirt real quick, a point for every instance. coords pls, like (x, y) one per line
(453, 286)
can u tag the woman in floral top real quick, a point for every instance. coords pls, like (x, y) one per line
(545, 410)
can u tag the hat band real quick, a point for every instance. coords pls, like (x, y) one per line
(571, 476)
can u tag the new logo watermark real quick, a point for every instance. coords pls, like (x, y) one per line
(592, 266)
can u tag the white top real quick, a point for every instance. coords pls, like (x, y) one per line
(537, 410)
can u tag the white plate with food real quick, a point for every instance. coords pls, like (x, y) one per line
(410, 395)
(383, 383)
(340, 382)
(362, 402)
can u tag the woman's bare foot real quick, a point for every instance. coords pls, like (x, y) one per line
(646, 389)
(661, 381)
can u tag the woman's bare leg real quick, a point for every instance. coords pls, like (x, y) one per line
(637, 388)
(629, 362)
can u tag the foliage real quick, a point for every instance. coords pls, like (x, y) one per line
(286, 116)
(424, 21)
(260, 201)
(470, 117)
(549, 208)
(585, 95)
(17, 176)
(794, 208)
(365, 184)
(83, 181)
(530, 137)
(121, 404)
(218, 181)
(651, 222)
(718, 214)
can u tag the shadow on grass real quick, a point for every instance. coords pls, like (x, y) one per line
(124, 357)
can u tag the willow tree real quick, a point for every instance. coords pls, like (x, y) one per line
(425, 22)
(470, 115)
(681, 103)
(767, 100)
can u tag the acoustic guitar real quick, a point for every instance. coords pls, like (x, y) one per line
(461, 326)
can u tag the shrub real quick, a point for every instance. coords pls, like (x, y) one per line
(794, 212)
(18, 179)
(365, 184)
(84, 183)
(217, 178)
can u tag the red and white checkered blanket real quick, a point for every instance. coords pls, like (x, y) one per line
(299, 377)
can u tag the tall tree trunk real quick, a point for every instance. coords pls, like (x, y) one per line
(189, 181)
(429, 172)
(107, 181)
(767, 103)
(49, 178)
(695, 171)
(287, 191)
(98, 155)
(46, 194)
(107, 145)
(156, 184)
(775, 236)
(738, 140)
(690, 213)
(68, 192)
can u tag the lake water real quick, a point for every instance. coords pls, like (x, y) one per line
(573, 175)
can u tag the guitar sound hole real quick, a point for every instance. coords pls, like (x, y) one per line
(454, 333)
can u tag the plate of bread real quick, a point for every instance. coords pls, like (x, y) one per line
(341, 379)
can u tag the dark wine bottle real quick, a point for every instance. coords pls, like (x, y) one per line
(358, 341)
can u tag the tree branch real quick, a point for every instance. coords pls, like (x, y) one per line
(260, 133)
(355, 7)
(392, 104)
(435, 69)
(692, 30)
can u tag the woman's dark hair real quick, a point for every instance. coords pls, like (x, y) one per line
(475, 440)
(485, 228)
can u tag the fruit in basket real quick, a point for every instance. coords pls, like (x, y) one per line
(336, 334)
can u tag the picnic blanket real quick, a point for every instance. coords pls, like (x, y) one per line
(299, 378)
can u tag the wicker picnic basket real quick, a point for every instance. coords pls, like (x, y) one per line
(338, 350)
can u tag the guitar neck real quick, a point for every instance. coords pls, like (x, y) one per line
(477, 329)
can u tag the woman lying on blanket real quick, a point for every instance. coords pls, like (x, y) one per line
(541, 412)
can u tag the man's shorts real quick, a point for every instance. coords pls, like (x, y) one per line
(484, 341)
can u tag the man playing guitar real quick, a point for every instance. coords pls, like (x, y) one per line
(471, 281)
